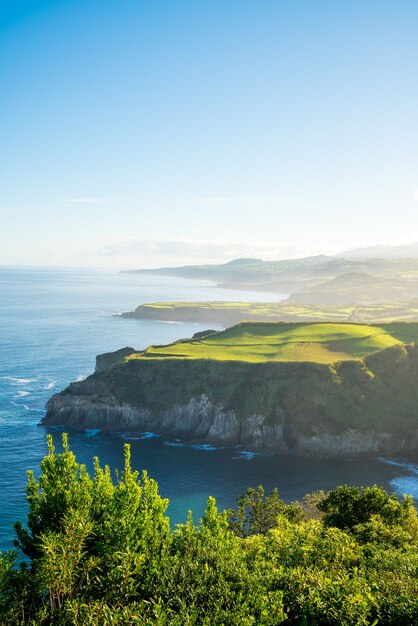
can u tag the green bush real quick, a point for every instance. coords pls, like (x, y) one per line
(100, 552)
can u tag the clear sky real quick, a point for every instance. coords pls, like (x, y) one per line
(139, 133)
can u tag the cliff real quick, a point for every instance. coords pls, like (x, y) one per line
(104, 361)
(352, 407)
(228, 313)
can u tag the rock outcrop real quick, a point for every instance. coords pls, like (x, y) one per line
(350, 408)
(104, 361)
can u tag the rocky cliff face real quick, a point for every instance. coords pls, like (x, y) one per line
(187, 314)
(200, 420)
(350, 408)
(103, 361)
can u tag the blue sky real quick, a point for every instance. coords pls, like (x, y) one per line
(140, 133)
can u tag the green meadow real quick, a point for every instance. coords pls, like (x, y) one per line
(260, 342)
(228, 313)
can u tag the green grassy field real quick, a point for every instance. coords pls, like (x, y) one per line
(297, 342)
(229, 313)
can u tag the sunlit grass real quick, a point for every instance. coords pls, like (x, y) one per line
(282, 311)
(261, 342)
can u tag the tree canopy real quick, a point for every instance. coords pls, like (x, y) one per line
(98, 550)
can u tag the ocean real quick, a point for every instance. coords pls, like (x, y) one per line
(53, 322)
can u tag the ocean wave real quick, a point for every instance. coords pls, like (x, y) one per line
(406, 484)
(51, 384)
(139, 436)
(22, 394)
(247, 455)
(409, 467)
(91, 432)
(244, 455)
(206, 447)
(80, 378)
(149, 435)
(19, 381)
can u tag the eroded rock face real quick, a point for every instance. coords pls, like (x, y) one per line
(199, 419)
(352, 443)
(107, 359)
(349, 409)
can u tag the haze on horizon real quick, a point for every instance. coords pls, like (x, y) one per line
(142, 134)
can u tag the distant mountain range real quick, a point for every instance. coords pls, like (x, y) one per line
(375, 275)
(408, 251)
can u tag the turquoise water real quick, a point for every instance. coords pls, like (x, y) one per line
(52, 325)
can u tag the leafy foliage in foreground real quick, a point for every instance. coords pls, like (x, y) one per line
(101, 553)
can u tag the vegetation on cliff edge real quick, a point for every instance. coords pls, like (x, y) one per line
(300, 342)
(376, 393)
(229, 313)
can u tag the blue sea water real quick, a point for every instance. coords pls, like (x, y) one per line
(52, 325)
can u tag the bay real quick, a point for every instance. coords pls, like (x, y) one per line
(53, 322)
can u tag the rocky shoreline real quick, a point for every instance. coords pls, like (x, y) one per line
(301, 408)
(203, 422)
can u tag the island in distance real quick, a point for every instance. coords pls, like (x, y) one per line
(356, 280)
(316, 389)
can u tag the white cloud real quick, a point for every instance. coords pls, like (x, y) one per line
(415, 195)
(148, 253)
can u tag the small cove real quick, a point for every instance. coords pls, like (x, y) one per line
(53, 322)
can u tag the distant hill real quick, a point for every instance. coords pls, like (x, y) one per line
(229, 313)
(317, 279)
(244, 271)
(358, 288)
(409, 251)
(244, 261)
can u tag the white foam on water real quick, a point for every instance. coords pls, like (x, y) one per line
(138, 436)
(206, 447)
(410, 467)
(22, 394)
(19, 381)
(404, 484)
(92, 432)
(51, 384)
(246, 455)
(149, 435)
(80, 378)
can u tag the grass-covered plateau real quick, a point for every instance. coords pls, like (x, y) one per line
(298, 342)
